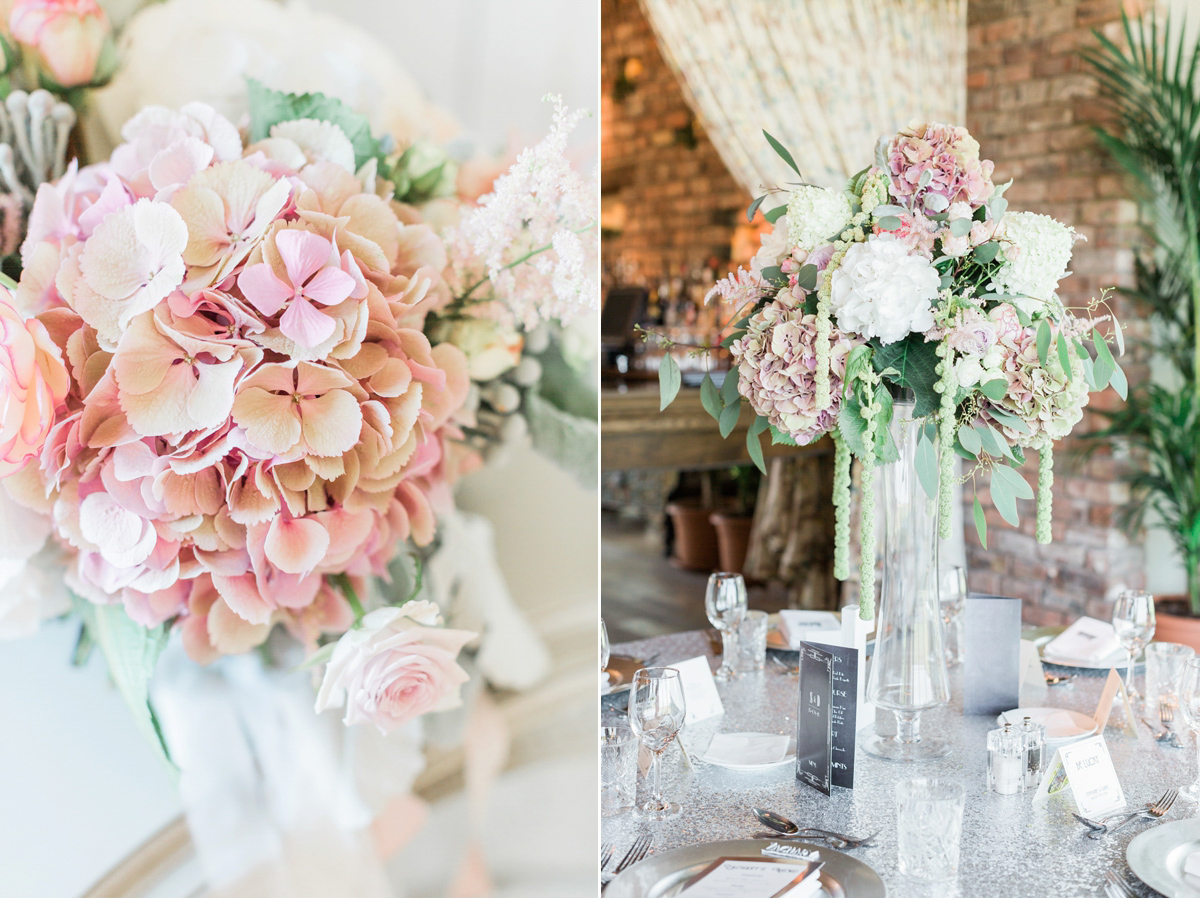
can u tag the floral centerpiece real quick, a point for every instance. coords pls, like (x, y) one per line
(229, 396)
(916, 277)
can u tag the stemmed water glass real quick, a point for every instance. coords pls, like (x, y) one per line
(1133, 620)
(656, 714)
(605, 652)
(952, 595)
(1189, 707)
(725, 604)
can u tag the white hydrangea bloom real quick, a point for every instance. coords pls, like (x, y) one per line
(815, 215)
(882, 291)
(1036, 258)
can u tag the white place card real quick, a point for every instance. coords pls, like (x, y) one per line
(1114, 686)
(1032, 675)
(742, 878)
(1086, 768)
(699, 689)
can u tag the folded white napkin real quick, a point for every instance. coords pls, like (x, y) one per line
(747, 748)
(1087, 639)
(799, 626)
(1191, 864)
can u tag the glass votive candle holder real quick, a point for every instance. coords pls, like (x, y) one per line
(752, 642)
(618, 769)
(929, 815)
(1165, 663)
(1006, 761)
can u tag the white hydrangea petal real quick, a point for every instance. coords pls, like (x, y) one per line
(320, 141)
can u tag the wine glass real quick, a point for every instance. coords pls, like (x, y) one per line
(1189, 707)
(656, 713)
(605, 652)
(1133, 619)
(725, 604)
(952, 595)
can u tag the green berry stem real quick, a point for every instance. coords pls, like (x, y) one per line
(866, 575)
(841, 507)
(947, 428)
(1045, 499)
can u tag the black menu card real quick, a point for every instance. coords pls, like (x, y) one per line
(814, 720)
(843, 714)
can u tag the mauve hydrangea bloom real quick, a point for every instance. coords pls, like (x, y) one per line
(252, 405)
(1048, 399)
(777, 360)
(951, 157)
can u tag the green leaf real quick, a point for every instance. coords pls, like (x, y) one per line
(993, 441)
(317, 658)
(1009, 420)
(961, 227)
(779, 438)
(1003, 499)
(710, 397)
(857, 361)
(732, 338)
(1017, 484)
(994, 389)
(1105, 363)
(997, 206)
(775, 214)
(783, 153)
(729, 387)
(754, 444)
(270, 107)
(889, 223)
(669, 380)
(131, 652)
(1119, 335)
(1022, 315)
(1043, 343)
(729, 418)
(927, 465)
(753, 207)
(980, 522)
(986, 253)
(774, 275)
(853, 425)
(1064, 356)
(916, 360)
(970, 440)
(806, 277)
(1119, 383)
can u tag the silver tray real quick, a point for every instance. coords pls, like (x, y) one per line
(664, 875)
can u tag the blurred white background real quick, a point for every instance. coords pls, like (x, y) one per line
(79, 789)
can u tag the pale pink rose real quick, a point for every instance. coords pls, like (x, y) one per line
(33, 383)
(397, 666)
(67, 35)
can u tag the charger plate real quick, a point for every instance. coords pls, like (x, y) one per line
(664, 875)
(1157, 856)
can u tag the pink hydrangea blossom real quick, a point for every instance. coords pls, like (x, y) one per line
(946, 159)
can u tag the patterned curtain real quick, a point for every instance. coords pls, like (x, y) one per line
(826, 77)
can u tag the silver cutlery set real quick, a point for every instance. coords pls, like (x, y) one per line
(636, 852)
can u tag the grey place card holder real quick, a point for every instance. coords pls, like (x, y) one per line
(991, 654)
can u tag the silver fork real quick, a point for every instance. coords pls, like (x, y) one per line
(1117, 886)
(1155, 811)
(784, 666)
(636, 852)
(606, 853)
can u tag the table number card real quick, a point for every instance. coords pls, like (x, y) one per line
(1113, 687)
(1087, 769)
(991, 654)
(699, 689)
(814, 719)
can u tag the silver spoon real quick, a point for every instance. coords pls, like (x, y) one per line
(777, 822)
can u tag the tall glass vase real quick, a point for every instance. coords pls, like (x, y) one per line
(908, 670)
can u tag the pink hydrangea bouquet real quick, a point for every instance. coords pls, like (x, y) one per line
(915, 276)
(231, 395)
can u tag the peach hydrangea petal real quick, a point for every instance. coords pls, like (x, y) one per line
(232, 634)
(267, 419)
(296, 546)
(304, 324)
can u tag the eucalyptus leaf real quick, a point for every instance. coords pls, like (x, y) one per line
(988, 441)
(1105, 363)
(927, 465)
(783, 153)
(754, 442)
(1003, 499)
(1119, 335)
(980, 522)
(710, 397)
(729, 418)
(669, 380)
(774, 275)
(889, 209)
(1064, 355)
(753, 207)
(1119, 383)
(729, 387)
(961, 227)
(987, 252)
(1022, 315)
(994, 389)
(1043, 343)
(889, 223)
(806, 277)
(775, 214)
(1008, 419)
(997, 207)
(970, 440)
(1017, 484)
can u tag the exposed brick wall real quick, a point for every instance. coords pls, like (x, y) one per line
(681, 203)
(1031, 103)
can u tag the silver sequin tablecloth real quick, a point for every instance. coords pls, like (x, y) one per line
(1009, 847)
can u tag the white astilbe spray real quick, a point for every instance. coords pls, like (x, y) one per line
(533, 238)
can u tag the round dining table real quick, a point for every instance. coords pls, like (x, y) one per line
(1010, 846)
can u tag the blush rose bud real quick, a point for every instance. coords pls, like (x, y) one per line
(395, 667)
(68, 36)
(33, 383)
